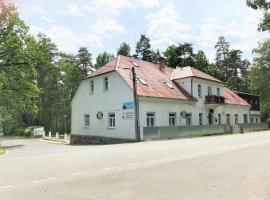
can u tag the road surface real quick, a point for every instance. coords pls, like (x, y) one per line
(219, 167)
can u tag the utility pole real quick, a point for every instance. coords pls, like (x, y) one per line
(136, 106)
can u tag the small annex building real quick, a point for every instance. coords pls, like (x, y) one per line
(103, 105)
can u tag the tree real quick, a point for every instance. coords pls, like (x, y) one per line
(263, 5)
(17, 87)
(222, 53)
(124, 49)
(259, 76)
(84, 59)
(181, 55)
(143, 49)
(103, 58)
(202, 64)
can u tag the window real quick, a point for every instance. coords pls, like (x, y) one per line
(200, 119)
(218, 92)
(91, 86)
(188, 119)
(86, 120)
(245, 118)
(111, 120)
(168, 84)
(219, 118)
(142, 81)
(228, 120)
(199, 91)
(251, 120)
(209, 90)
(236, 118)
(172, 119)
(106, 83)
(257, 120)
(150, 119)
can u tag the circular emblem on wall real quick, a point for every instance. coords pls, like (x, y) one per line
(99, 115)
(183, 114)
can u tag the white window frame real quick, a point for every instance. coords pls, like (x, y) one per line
(200, 119)
(218, 91)
(111, 120)
(199, 91)
(106, 83)
(189, 119)
(92, 86)
(209, 90)
(87, 121)
(236, 119)
(172, 119)
(150, 119)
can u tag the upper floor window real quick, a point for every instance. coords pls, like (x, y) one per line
(86, 120)
(111, 120)
(106, 83)
(172, 119)
(150, 119)
(245, 118)
(209, 90)
(199, 91)
(228, 118)
(92, 87)
(218, 91)
(236, 118)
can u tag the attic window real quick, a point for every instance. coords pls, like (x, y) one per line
(134, 63)
(168, 84)
(142, 81)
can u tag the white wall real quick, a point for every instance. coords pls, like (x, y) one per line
(104, 101)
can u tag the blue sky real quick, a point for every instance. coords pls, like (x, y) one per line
(101, 25)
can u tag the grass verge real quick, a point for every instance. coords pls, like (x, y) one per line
(2, 151)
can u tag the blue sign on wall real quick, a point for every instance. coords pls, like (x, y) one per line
(128, 105)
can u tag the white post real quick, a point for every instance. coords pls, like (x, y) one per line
(57, 135)
(66, 137)
(50, 134)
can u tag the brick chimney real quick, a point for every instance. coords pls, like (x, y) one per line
(161, 63)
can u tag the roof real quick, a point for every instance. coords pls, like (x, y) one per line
(185, 72)
(155, 79)
(232, 98)
(150, 73)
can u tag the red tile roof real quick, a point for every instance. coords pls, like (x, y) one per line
(232, 98)
(185, 72)
(155, 78)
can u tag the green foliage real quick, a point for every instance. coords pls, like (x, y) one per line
(260, 76)
(263, 5)
(84, 59)
(143, 49)
(124, 49)
(180, 56)
(103, 58)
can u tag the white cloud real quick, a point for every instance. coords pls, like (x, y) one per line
(75, 10)
(166, 27)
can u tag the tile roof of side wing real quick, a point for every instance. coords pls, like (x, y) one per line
(232, 98)
(150, 73)
(185, 72)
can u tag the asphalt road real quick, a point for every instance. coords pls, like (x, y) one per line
(222, 167)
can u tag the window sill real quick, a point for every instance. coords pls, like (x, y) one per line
(111, 128)
(91, 92)
(87, 127)
(105, 90)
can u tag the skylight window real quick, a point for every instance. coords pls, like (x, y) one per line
(168, 84)
(134, 63)
(142, 81)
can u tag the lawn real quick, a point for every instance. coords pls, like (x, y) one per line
(2, 151)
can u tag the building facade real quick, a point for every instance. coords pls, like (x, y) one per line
(103, 105)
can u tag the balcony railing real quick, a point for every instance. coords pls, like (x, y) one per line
(213, 99)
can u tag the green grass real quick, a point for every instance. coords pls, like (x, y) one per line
(2, 151)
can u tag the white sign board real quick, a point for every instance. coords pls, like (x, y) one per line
(128, 115)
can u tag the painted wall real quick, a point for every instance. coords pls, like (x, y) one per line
(112, 100)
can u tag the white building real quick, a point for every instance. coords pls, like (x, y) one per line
(103, 104)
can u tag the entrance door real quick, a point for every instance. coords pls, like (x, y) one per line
(210, 116)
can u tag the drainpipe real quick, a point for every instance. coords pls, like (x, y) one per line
(136, 106)
(192, 86)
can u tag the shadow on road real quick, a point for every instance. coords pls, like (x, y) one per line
(13, 146)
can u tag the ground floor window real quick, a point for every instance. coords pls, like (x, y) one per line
(150, 119)
(257, 120)
(188, 119)
(111, 120)
(200, 119)
(219, 118)
(245, 118)
(86, 120)
(228, 118)
(172, 119)
(236, 118)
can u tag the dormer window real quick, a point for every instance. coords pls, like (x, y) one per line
(92, 86)
(168, 84)
(218, 92)
(142, 81)
(134, 63)
(199, 91)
